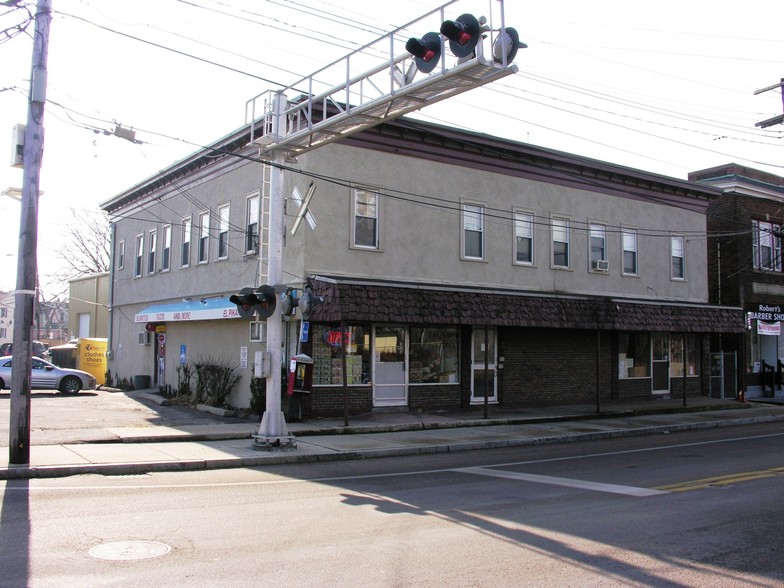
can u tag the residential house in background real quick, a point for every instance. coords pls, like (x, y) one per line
(745, 267)
(7, 303)
(458, 269)
(88, 306)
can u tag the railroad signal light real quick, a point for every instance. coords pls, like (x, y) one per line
(506, 45)
(308, 301)
(463, 34)
(426, 51)
(260, 301)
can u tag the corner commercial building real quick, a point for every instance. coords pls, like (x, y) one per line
(457, 268)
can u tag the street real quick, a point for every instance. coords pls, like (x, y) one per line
(685, 509)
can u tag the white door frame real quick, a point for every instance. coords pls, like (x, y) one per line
(478, 362)
(390, 367)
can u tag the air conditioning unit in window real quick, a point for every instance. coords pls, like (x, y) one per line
(145, 337)
(600, 265)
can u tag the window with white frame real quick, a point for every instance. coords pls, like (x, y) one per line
(598, 246)
(204, 237)
(560, 231)
(166, 248)
(629, 237)
(223, 231)
(137, 268)
(252, 224)
(151, 251)
(473, 231)
(524, 237)
(678, 258)
(766, 246)
(366, 218)
(121, 254)
(185, 248)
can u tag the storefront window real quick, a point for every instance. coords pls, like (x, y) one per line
(634, 355)
(327, 354)
(676, 356)
(433, 355)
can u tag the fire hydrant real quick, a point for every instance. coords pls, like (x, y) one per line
(741, 396)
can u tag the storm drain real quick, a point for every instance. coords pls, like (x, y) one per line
(130, 550)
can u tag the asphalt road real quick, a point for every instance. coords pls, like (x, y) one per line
(700, 508)
(61, 418)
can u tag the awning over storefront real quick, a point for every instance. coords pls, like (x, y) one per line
(192, 310)
(453, 306)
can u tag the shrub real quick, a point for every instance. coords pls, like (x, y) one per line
(258, 395)
(215, 379)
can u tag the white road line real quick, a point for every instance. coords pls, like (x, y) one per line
(570, 483)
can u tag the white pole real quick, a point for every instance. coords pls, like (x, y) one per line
(273, 424)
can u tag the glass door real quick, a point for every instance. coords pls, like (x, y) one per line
(483, 364)
(661, 362)
(389, 366)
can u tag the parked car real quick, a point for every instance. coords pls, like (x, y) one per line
(46, 375)
(39, 349)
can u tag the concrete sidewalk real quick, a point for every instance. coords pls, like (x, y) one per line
(226, 445)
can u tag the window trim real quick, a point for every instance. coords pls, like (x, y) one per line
(187, 240)
(121, 254)
(252, 248)
(682, 256)
(517, 224)
(138, 260)
(203, 252)
(633, 233)
(224, 223)
(166, 248)
(152, 252)
(568, 242)
(770, 231)
(480, 211)
(355, 191)
(592, 226)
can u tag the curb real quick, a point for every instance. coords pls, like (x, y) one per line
(283, 456)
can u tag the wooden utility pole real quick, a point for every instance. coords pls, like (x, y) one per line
(27, 255)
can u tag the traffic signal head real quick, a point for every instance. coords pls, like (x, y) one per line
(507, 43)
(463, 34)
(426, 51)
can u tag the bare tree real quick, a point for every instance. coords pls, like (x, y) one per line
(88, 248)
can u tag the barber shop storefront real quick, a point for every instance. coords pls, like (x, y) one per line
(765, 349)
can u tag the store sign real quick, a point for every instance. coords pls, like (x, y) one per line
(766, 312)
(768, 328)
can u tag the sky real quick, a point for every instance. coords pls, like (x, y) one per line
(666, 87)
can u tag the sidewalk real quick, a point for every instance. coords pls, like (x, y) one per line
(227, 445)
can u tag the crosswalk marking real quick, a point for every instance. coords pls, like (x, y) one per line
(568, 482)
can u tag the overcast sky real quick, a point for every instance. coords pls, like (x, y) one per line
(666, 87)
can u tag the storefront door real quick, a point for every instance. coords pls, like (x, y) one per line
(389, 366)
(483, 364)
(661, 362)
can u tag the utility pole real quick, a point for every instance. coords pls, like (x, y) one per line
(27, 255)
(776, 120)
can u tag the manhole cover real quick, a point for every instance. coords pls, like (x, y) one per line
(129, 550)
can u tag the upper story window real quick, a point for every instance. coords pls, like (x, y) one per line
(121, 254)
(560, 231)
(151, 251)
(204, 237)
(524, 237)
(137, 268)
(252, 224)
(185, 249)
(629, 237)
(473, 231)
(677, 245)
(766, 246)
(366, 218)
(223, 232)
(166, 248)
(598, 243)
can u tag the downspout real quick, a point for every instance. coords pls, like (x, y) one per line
(110, 330)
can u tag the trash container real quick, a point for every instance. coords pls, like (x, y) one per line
(141, 382)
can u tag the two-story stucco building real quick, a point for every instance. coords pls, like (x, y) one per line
(456, 267)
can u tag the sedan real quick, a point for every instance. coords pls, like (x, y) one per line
(47, 375)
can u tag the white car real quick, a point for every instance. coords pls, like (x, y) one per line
(46, 375)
